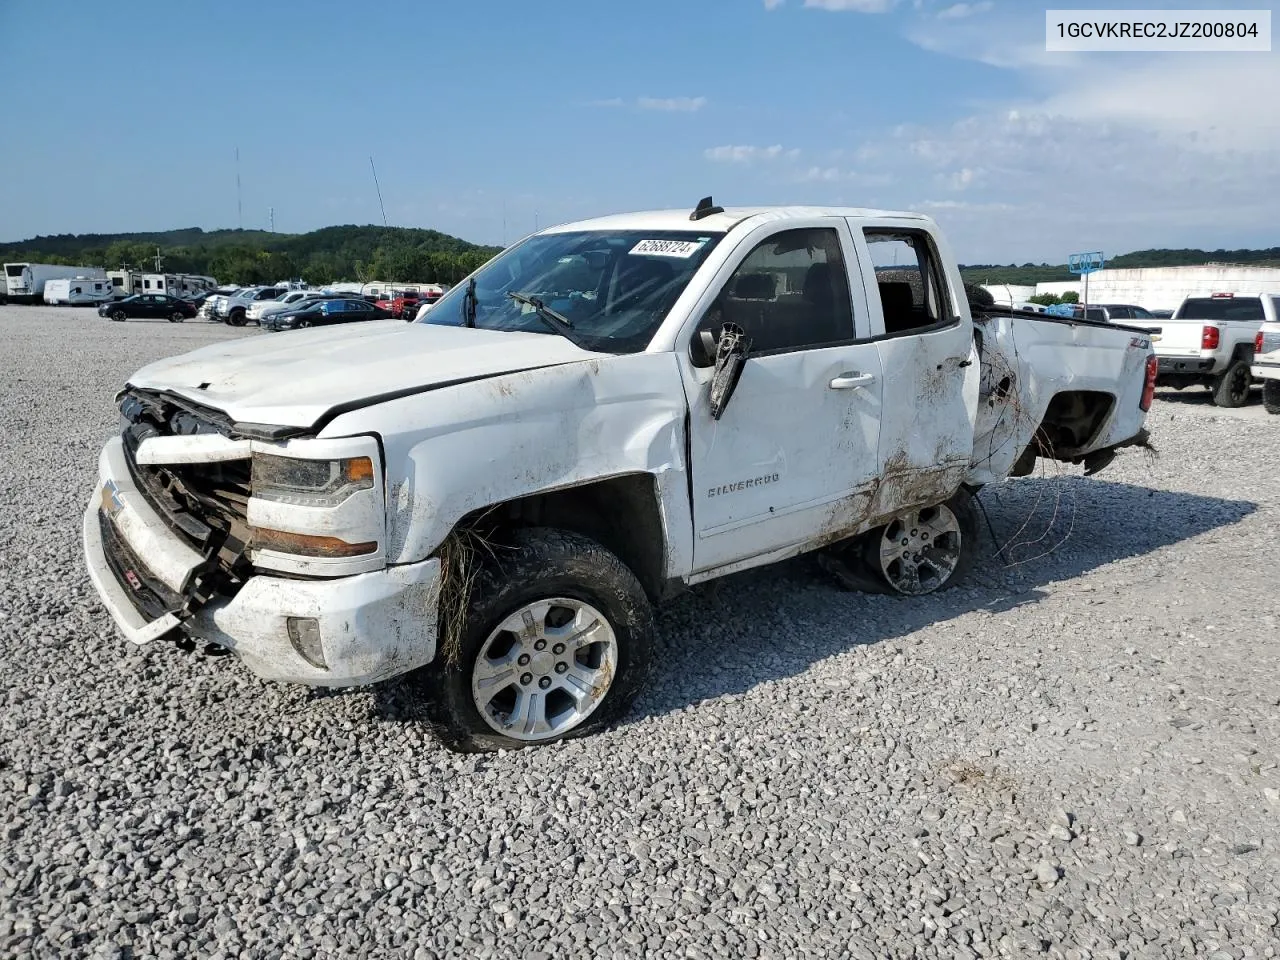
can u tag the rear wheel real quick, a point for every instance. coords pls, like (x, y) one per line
(236, 319)
(556, 643)
(917, 552)
(177, 316)
(1271, 395)
(1232, 388)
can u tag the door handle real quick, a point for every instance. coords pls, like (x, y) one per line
(848, 381)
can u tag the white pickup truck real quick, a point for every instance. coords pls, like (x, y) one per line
(605, 413)
(1210, 341)
(1266, 357)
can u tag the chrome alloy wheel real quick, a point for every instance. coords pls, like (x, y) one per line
(544, 669)
(920, 550)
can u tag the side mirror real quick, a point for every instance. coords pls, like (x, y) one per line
(702, 349)
(731, 355)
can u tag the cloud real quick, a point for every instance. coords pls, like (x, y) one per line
(958, 11)
(819, 175)
(858, 6)
(673, 104)
(610, 102)
(748, 154)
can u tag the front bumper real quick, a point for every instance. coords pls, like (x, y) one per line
(372, 626)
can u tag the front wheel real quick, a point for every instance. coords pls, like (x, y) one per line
(555, 642)
(236, 319)
(1232, 388)
(117, 315)
(1271, 395)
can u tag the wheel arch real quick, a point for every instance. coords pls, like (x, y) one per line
(622, 513)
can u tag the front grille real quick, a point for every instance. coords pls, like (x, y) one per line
(151, 597)
(205, 504)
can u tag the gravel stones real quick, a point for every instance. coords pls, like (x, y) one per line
(993, 771)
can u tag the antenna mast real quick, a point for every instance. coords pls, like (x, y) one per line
(271, 217)
(379, 189)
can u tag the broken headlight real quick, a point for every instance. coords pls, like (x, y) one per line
(309, 483)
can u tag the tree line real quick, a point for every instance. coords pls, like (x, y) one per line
(250, 256)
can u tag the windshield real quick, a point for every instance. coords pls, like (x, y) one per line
(614, 287)
(1220, 308)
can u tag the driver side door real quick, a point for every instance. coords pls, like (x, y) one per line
(793, 458)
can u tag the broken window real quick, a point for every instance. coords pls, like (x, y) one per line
(909, 283)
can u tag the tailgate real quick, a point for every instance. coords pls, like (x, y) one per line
(1270, 352)
(1177, 337)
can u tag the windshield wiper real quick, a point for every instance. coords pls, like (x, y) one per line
(558, 322)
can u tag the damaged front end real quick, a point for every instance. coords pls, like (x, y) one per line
(174, 535)
(271, 548)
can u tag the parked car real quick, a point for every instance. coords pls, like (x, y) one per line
(324, 313)
(1266, 357)
(148, 305)
(1111, 312)
(1161, 314)
(604, 414)
(1209, 342)
(209, 309)
(235, 309)
(290, 300)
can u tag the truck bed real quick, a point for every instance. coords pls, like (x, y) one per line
(1068, 388)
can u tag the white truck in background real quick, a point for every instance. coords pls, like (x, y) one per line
(24, 282)
(1266, 357)
(78, 291)
(604, 414)
(1209, 342)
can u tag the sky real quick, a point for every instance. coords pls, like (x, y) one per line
(488, 118)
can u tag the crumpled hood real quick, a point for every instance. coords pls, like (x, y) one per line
(294, 379)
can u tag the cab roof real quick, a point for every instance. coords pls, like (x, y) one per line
(725, 221)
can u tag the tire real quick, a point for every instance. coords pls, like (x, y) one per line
(929, 568)
(177, 317)
(555, 582)
(236, 319)
(302, 324)
(1271, 395)
(117, 316)
(1231, 389)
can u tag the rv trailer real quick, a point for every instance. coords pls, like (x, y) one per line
(24, 282)
(78, 291)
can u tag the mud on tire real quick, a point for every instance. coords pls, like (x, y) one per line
(531, 567)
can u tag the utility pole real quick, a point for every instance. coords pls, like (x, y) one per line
(239, 208)
(159, 259)
(379, 189)
(271, 218)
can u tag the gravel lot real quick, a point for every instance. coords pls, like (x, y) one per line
(1074, 756)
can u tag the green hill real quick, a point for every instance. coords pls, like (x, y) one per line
(255, 256)
(1032, 273)
(402, 253)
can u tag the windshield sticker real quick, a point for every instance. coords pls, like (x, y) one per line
(684, 249)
